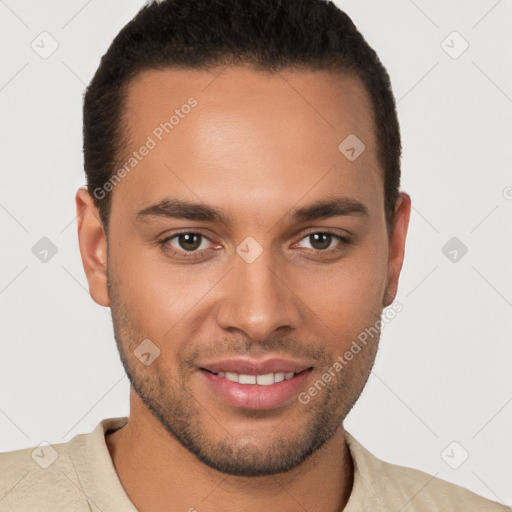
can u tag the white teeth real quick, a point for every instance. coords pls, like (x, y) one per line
(266, 379)
(247, 379)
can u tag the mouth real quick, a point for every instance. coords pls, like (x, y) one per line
(265, 379)
(254, 385)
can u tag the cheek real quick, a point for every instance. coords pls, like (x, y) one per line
(161, 298)
(351, 291)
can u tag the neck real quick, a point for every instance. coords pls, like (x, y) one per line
(158, 473)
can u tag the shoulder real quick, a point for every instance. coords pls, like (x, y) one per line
(44, 477)
(31, 475)
(383, 485)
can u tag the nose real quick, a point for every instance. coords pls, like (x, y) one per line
(259, 298)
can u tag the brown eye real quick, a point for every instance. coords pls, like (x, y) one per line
(187, 245)
(189, 241)
(320, 241)
(324, 242)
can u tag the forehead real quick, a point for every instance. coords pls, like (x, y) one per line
(333, 102)
(247, 137)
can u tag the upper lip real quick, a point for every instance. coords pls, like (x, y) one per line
(256, 367)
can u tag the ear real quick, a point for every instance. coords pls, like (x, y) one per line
(397, 245)
(93, 246)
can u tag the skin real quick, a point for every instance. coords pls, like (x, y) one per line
(256, 146)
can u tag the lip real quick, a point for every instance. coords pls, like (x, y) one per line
(254, 396)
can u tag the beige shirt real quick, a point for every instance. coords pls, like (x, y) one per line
(79, 476)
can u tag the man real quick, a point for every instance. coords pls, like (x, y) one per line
(243, 221)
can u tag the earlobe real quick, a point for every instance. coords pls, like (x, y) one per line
(93, 246)
(391, 290)
(397, 245)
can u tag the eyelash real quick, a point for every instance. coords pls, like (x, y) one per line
(343, 242)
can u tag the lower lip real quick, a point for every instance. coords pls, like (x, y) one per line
(254, 396)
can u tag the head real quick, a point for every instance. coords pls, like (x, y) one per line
(242, 211)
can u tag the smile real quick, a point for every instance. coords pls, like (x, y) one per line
(256, 388)
(266, 379)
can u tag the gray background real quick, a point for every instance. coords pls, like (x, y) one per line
(443, 373)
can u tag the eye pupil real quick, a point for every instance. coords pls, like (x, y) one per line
(323, 239)
(186, 241)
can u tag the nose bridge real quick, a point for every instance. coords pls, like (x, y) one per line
(256, 300)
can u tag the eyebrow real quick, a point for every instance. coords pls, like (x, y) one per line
(321, 209)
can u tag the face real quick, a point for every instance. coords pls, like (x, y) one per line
(251, 252)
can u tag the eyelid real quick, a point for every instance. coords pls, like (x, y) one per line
(328, 231)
